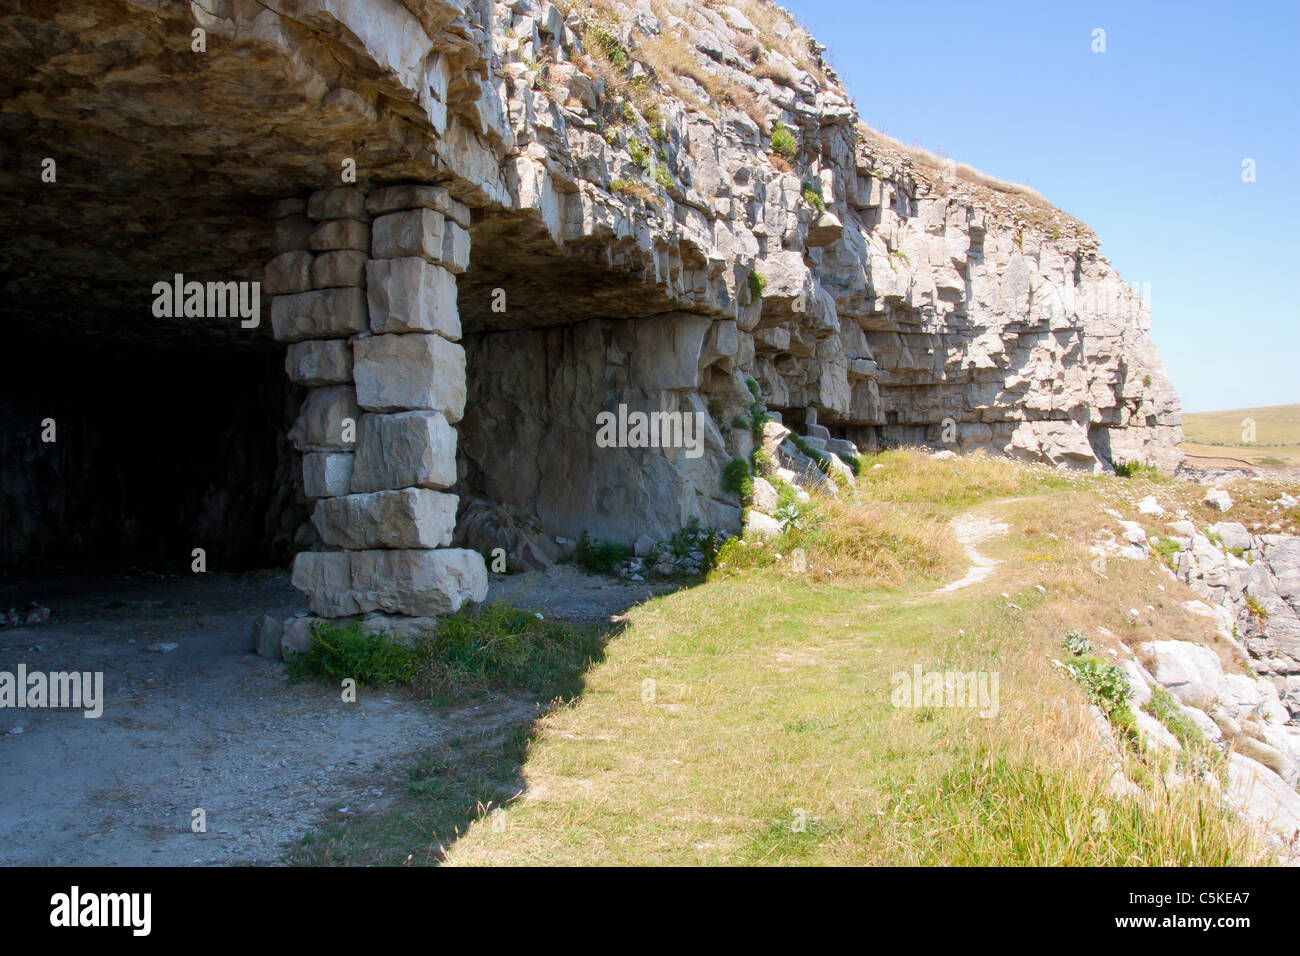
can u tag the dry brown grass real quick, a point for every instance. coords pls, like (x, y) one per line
(778, 29)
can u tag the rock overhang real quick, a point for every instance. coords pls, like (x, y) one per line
(889, 296)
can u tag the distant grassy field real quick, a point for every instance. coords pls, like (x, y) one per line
(1223, 435)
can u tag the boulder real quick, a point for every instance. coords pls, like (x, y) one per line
(267, 635)
(764, 498)
(760, 525)
(1218, 498)
(1233, 534)
(1191, 672)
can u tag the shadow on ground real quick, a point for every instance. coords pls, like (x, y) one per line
(194, 721)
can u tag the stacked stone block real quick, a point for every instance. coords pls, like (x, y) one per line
(364, 292)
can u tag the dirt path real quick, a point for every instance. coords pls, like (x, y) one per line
(206, 725)
(971, 529)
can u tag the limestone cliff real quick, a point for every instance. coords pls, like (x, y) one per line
(899, 291)
(707, 153)
(626, 204)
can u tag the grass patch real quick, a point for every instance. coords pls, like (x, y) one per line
(340, 652)
(749, 720)
(498, 645)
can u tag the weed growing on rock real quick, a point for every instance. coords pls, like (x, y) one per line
(812, 195)
(737, 479)
(1105, 684)
(783, 142)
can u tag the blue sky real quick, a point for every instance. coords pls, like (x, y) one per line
(1143, 142)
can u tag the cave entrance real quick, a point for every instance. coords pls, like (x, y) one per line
(558, 348)
(135, 454)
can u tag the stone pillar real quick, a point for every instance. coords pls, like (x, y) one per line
(365, 291)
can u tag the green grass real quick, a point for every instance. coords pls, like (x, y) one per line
(1167, 550)
(749, 720)
(812, 195)
(341, 652)
(1136, 469)
(497, 646)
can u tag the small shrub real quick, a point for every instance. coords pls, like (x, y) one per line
(737, 479)
(790, 516)
(599, 557)
(812, 195)
(640, 153)
(1076, 644)
(783, 142)
(608, 44)
(762, 460)
(664, 178)
(1105, 684)
(629, 188)
(758, 417)
(757, 283)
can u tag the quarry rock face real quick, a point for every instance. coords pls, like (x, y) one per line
(482, 226)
